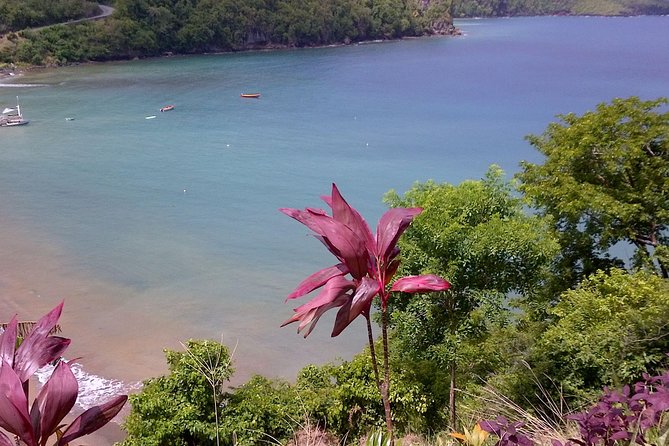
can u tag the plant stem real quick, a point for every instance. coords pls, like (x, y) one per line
(372, 351)
(451, 397)
(385, 389)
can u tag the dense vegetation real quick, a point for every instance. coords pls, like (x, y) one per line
(18, 15)
(540, 310)
(140, 28)
(154, 27)
(503, 8)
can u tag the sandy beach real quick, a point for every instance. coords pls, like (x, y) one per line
(9, 73)
(114, 337)
(32, 281)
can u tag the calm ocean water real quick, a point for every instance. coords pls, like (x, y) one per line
(158, 230)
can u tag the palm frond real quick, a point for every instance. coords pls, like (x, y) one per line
(25, 327)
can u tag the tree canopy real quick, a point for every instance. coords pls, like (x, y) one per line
(179, 409)
(608, 332)
(497, 8)
(478, 237)
(17, 15)
(605, 180)
(154, 27)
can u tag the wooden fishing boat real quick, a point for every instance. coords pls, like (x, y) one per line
(167, 108)
(250, 95)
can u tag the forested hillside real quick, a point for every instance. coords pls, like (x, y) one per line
(153, 27)
(17, 15)
(142, 28)
(500, 8)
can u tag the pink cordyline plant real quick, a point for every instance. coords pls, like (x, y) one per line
(34, 427)
(367, 264)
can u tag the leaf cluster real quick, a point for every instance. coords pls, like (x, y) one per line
(609, 331)
(477, 235)
(605, 181)
(177, 409)
(342, 397)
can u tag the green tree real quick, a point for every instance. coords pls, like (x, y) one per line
(342, 397)
(605, 180)
(478, 236)
(609, 330)
(262, 411)
(179, 409)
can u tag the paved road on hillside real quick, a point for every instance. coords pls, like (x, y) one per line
(106, 11)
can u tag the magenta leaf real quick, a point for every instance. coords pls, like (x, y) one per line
(46, 323)
(339, 239)
(349, 247)
(391, 226)
(342, 212)
(333, 295)
(340, 301)
(362, 299)
(343, 319)
(391, 269)
(8, 342)
(55, 400)
(420, 284)
(360, 304)
(318, 279)
(92, 419)
(37, 354)
(5, 441)
(620, 435)
(335, 287)
(14, 416)
(306, 217)
(38, 348)
(371, 260)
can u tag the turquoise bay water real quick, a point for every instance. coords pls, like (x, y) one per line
(159, 230)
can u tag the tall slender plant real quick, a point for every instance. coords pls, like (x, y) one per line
(367, 264)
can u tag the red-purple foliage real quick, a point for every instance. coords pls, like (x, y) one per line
(506, 431)
(626, 415)
(370, 259)
(55, 400)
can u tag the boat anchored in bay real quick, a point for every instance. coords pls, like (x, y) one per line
(11, 117)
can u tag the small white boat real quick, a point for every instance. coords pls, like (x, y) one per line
(11, 117)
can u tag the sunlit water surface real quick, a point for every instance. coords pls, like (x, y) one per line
(159, 230)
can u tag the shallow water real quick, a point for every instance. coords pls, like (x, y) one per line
(158, 230)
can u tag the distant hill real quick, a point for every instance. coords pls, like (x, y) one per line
(504, 8)
(30, 32)
(140, 28)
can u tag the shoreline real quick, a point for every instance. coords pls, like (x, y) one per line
(6, 73)
(116, 335)
(453, 31)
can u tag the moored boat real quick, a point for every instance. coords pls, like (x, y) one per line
(250, 95)
(11, 117)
